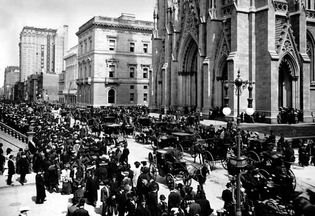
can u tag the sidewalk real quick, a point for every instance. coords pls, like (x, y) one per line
(29, 177)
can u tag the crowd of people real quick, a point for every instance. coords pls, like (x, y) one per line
(71, 154)
(68, 158)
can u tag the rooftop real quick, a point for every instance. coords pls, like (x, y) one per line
(125, 21)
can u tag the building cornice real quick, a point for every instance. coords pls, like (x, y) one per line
(114, 24)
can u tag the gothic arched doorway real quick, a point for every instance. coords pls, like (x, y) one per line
(218, 90)
(189, 75)
(285, 84)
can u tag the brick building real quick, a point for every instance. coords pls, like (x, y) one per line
(114, 61)
(197, 45)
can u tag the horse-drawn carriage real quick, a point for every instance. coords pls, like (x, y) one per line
(167, 163)
(143, 130)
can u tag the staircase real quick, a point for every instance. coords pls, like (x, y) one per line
(12, 139)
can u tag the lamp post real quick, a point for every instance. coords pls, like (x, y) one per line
(239, 161)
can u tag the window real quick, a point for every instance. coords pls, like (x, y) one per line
(112, 44)
(132, 47)
(81, 47)
(145, 87)
(90, 41)
(132, 87)
(145, 97)
(132, 97)
(111, 96)
(145, 73)
(145, 48)
(85, 46)
(132, 72)
(111, 71)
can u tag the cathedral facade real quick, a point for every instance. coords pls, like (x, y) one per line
(199, 45)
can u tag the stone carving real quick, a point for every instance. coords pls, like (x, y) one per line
(309, 48)
(189, 26)
(280, 5)
(310, 14)
(286, 41)
(227, 10)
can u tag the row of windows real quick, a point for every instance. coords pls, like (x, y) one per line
(133, 87)
(86, 45)
(111, 72)
(132, 45)
(111, 96)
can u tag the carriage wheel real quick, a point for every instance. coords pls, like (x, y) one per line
(192, 151)
(253, 157)
(224, 163)
(152, 171)
(150, 156)
(170, 180)
(264, 173)
(293, 179)
(208, 159)
(137, 138)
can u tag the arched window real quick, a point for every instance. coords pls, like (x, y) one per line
(310, 53)
(111, 96)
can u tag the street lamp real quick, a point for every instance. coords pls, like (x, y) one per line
(239, 161)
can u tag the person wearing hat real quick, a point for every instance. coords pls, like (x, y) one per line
(11, 170)
(136, 173)
(23, 167)
(162, 206)
(152, 199)
(66, 180)
(227, 197)
(40, 188)
(142, 209)
(81, 211)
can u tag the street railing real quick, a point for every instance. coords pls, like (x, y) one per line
(14, 133)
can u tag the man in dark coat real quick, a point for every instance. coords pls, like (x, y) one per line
(24, 168)
(121, 201)
(152, 201)
(206, 209)
(227, 197)
(174, 199)
(11, 170)
(40, 188)
(92, 186)
(142, 210)
(81, 211)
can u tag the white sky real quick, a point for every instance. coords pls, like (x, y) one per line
(15, 14)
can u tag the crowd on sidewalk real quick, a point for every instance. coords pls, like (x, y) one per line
(69, 159)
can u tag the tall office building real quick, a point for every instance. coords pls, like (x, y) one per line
(42, 50)
(114, 61)
(11, 76)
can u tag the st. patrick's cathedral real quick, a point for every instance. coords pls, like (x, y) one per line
(200, 46)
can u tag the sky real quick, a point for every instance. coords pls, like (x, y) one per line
(15, 14)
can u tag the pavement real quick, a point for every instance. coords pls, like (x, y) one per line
(12, 198)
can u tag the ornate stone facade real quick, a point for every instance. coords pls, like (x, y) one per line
(114, 61)
(197, 44)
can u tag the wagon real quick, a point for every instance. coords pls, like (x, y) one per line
(166, 163)
(143, 130)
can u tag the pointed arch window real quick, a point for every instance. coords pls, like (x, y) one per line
(310, 53)
(111, 96)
